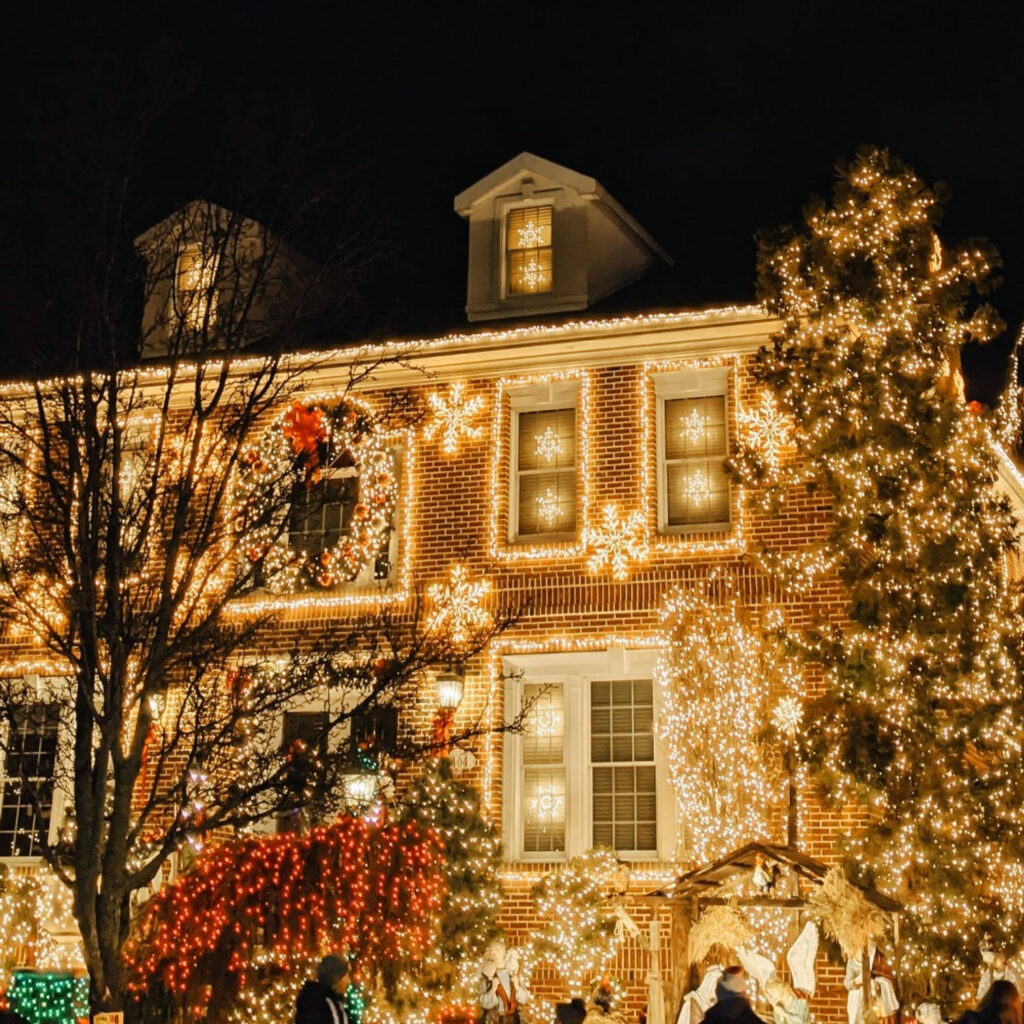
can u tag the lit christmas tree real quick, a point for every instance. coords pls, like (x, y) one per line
(449, 973)
(921, 721)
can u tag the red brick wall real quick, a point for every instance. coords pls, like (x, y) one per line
(450, 521)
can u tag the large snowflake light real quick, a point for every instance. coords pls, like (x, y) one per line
(531, 235)
(766, 429)
(618, 543)
(452, 415)
(459, 605)
(548, 445)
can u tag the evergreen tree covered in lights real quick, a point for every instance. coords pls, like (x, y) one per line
(921, 721)
(440, 803)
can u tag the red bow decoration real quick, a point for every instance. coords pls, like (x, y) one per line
(305, 429)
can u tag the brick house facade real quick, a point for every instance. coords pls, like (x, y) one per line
(601, 391)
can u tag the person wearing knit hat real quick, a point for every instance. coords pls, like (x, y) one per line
(320, 1001)
(731, 1006)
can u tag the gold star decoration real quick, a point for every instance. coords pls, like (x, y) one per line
(766, 429)
(618, 543)
(459, 605)
(452, 416)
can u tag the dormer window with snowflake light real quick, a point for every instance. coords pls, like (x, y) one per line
(195, 300)
(528, 250)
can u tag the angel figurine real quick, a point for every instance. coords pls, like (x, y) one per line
(502, 988)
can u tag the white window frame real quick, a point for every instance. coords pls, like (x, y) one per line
(199, 316)
(545, 199)
(575, 671)
(45, 691)
(702, 382)
(549, 396)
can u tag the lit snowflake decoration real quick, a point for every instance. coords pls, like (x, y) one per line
(617, 543)
(459, 605)
(766, 429)
(787, 715)
(548, 445)
(698, 488)
(531, 236)
(452, 417)
(548, 804)
(533, 275)
(545, 721)
(548, 507)
(694, 428)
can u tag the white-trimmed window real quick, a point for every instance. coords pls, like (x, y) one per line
(528, 250)
(544, 477)
(195, 298)
(30, 750)
(586, 768)
(693, 445)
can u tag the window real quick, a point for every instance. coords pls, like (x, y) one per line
(195, 300)
(321, 515)
(545, 476)
(304, 744)
(584, 770)
(30, 757)
(374, 732)
(544, 770)
(693, 445)
(623, 780)
(528, 250)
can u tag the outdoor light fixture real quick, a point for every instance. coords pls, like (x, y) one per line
(450, 686)
(359, 788)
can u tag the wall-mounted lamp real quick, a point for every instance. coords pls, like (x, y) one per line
(450, 687)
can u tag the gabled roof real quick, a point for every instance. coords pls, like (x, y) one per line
(587, 187)
(702, 881)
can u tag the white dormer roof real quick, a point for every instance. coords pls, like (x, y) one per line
(597, 247)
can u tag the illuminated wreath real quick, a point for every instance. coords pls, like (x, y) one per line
(303, 443)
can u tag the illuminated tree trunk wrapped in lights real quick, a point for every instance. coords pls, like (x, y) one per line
(921, 721)
(722, 677)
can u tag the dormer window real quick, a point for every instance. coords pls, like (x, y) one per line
(195, 300)
(528, 250)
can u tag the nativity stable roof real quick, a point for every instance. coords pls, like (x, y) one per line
(701, 882)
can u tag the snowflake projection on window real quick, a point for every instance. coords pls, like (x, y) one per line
(766, 429)
(548, 445)
(459, 605)
(534, 275)
(694, 428)
(547, 804)
(619, 543)
(531, 235)
(452, 415)
(549, 508)
(698, 487)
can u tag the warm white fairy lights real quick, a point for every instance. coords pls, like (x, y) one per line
(718, 676)
(765, 429)
(452, 416)
(547, 444)
(459, 605)
(498, 527)
(548, 507)
(618, 544)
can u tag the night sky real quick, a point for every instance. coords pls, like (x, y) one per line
(705, 120)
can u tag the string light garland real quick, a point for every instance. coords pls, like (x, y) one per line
(618, 544)
(766, 430)
(719, 677)
(452, 415)
(304, 443)
(49, 998)
(459, 605)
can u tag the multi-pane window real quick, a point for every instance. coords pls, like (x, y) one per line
(623, 781)
(195, 299)
(528, 250)
(546, 472)
(30, 761)
(544, 778)
(303, 743)
(320, 515)
(695, 446)
(374, 732)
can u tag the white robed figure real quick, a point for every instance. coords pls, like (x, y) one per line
(883, 991)
(502, 988)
